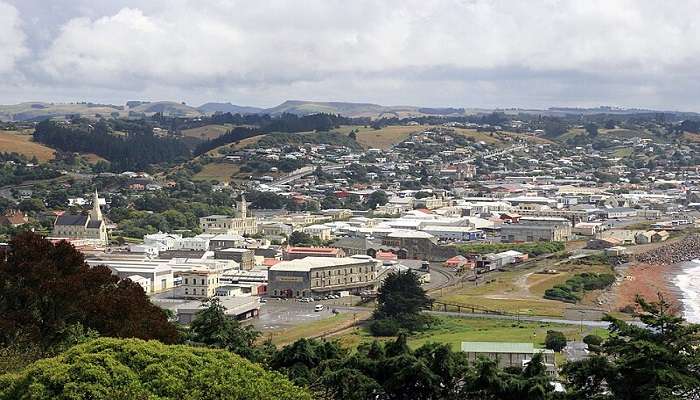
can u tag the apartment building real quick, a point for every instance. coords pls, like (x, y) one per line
(199, 283)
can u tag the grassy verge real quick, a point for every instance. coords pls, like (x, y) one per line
(314, 329)
(454, 331)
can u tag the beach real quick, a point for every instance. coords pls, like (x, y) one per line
(688, 282)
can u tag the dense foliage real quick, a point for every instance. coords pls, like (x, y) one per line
(392, 371)
(658, 361)
(535, 249)
(135, 150)
(573, 288)
(47, 289)
(132, 369)
(400, 301)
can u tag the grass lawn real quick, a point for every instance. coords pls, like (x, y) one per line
(21, 142)
(313, 329)
(217, 171)
(454, 331)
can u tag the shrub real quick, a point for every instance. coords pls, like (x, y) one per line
(594, 340)
(385, 327)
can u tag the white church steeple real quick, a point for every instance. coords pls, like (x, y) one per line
(96, 213)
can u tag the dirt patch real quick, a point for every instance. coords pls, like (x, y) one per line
(647, 281)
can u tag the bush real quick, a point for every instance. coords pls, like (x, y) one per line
(593, 339)
(384, 327)
(555, 340)
(569, 291)
(535, 249)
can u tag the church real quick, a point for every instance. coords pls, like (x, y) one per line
(89, 227)
(240, 224)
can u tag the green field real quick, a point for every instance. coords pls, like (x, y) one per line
(221, 172)
(454, 331)
(314, 329)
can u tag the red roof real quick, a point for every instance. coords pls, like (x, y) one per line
(314, 250)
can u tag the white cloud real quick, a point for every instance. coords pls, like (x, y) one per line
(11, 38)
(329, 46)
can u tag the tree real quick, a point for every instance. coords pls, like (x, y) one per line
(660, 360)
(213, 328)
(47, 288)
(555, 340)
(377, 198)
(591, 129)
(299, 237)
(134, 369)
(401, 298)
(353, 135)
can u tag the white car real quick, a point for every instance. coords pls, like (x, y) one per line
(319, 307)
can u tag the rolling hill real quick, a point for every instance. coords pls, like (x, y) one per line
(211, 108)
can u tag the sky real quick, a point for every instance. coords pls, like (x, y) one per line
(459, 53)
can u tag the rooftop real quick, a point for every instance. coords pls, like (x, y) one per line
(501, 347)
(308, 263)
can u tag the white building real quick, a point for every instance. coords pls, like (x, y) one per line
(199, 283)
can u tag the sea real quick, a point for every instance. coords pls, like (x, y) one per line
(688, 281)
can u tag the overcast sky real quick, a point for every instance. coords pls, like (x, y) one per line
(467, 53)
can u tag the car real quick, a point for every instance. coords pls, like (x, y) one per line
(263, 300)
(319, 307)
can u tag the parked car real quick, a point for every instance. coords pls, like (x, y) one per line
(319, 307)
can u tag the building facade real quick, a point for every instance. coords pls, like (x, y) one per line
(312, 276)
(241, 223)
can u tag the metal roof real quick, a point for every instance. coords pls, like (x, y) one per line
(501, 347)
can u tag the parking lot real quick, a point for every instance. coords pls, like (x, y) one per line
(279, 314)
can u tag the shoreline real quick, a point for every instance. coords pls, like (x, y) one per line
(648, 281)
(690, 303)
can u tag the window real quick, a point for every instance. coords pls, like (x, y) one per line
(202, 281)
(186, 281)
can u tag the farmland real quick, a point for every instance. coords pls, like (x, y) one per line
(21, 142)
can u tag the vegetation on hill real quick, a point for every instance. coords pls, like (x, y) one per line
(136, 150)
(285, 123)
(535, 248)
(135, 369)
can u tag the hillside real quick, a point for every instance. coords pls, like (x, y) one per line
(35, 111)
(169, 108)
(21, 142)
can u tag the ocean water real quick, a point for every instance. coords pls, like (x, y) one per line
(689, 283)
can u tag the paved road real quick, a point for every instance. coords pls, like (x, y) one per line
(279, 314)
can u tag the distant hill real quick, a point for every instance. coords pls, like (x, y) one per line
(169, 108)
(211, 108)
(36, 111)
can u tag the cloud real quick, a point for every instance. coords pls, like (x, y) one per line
(413, 50)
(12, 39)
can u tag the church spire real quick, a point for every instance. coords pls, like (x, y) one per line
(96, 213)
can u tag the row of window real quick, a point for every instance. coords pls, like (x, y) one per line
(204, 281)
(322, 274)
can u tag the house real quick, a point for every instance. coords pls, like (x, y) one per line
(603, 243)
(199, 283)
(458, 262)
(660, 236)
(321, 232)
(509, 355)
(644, 237)
(588, 228)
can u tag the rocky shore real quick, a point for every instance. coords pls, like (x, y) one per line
(681, 251)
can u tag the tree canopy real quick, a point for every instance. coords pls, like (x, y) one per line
(109, 368)
(400, 300)
(660, 360)
(47, 288)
